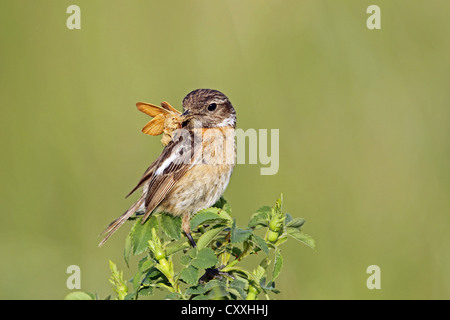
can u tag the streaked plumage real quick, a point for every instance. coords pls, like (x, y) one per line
(194, 168)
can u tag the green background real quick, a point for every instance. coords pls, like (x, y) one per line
(363, 118)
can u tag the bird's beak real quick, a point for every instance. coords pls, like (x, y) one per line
(186, 116)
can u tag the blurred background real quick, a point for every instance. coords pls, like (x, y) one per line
(363, 118)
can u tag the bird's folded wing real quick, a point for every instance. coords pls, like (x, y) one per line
(173, 163)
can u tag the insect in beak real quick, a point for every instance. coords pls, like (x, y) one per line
(185, 118)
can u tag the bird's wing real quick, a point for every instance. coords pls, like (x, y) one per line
(173, 163)
(147, 174)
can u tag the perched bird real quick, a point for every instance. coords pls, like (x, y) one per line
(194, 168)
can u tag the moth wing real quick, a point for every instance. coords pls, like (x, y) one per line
(151, 109)
(155, 127)
(168, 107)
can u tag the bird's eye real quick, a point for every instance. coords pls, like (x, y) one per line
(212, 107)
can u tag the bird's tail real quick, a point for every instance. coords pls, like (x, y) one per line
(120, 220)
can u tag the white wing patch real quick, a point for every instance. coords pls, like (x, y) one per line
(166, 163)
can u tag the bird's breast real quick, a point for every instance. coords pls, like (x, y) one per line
(207, 179)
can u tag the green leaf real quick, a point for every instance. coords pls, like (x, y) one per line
(208, 236)
(171, 226)
(295, 223)
(79, 295)
(205, 258)
(223, 204)
(164, 285)
(227, 208)
(236, 251)
(199, 289)
(137, 280)
(279, 204)
(145, 264)
(175, 247)
(260, 243)
(241, 281)
(129, 296)
(238, 284)
(147, 291)
(152, 274)
(239, 235)
(260, 270)
(192, 253)
(269, 286)
(239, 287)
(239, 270)
(218, 293)
(173, 296)
(288, 218)
(207, 215)
(260, 218)
(214, 283)
(116, 279)
(141, 233)
(277, 265)
(220, 203)
(281, 240)
(218, 289)
(238, 293)
(302, 237)
(185, 260)
(128, 248)
(225, 215)
(265, 209)
(190, 275)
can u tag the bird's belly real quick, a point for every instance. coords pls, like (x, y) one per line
(200, 188)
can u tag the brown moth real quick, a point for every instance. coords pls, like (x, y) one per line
(166, 119)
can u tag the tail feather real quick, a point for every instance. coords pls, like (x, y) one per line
(115, 225)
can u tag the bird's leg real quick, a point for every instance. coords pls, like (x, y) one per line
(210, 273)
(185, 225)
(191, 240)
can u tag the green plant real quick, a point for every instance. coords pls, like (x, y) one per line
(212, 270)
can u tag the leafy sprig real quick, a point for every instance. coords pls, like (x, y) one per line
(169, 263)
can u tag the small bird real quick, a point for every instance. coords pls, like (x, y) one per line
(195, 166)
